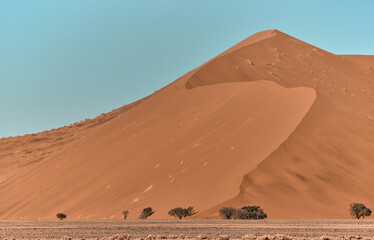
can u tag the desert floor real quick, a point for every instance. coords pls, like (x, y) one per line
(197, 229)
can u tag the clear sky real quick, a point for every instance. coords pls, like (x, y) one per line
(64, 61)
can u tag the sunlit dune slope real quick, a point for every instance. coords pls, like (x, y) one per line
(272, 121)
(179, 147)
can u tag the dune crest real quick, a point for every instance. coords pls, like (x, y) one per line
(272, 121)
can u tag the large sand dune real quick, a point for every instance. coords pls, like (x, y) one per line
(272, 121)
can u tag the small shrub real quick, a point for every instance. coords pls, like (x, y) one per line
(358, 210)
(61, 216)
(146, 213)
(182, 212)
(125, 213)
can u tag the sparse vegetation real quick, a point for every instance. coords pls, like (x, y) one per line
(246, 212)
(358, 210)
(182, 212)
(61, 216)
(146, 213)
(188, 230)
(125, 213)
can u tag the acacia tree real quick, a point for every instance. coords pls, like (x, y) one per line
(146, 213)
(182, 212)
(228, 212)
(187, 212)
(61, 216)
(125, 213)
(251, 212)
(246, 212)
(358, 210)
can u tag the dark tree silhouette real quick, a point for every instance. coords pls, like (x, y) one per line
(251, 212)
(182, 212)
(228, 212)
(61, 216)
(358, 210)
(146, 213)
(246, 212)
(125, 213)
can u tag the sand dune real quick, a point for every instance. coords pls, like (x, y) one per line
(271, 121)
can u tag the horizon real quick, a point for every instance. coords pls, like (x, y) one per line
(63, 62)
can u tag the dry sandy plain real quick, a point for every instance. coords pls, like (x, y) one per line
(190, 229)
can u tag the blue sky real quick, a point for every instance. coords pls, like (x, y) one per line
(64, 61)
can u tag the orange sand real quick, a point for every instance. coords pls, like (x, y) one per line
(272, 121)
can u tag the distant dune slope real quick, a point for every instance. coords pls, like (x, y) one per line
(271, 121)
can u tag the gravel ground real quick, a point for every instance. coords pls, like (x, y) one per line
(189, 228)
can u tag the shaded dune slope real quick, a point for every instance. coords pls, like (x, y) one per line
(272, 121)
